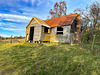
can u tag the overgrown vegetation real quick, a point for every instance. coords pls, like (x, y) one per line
(48, 59)
(88, 38)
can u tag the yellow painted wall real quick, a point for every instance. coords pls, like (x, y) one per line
(47, 37)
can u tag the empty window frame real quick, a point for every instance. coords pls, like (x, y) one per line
(46, 30)
(59, 30)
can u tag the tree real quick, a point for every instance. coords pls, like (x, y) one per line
(90, 16)
(89, 19)
(59, 9)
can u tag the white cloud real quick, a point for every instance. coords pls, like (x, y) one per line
(13, 29)
(28, 11)
(33, 12)
(14, 18)
(4, 35)
(32, 1)
(1, 24)
(40, 2)
(8, 24)
(14, 11)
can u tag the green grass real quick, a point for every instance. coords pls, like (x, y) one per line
(48, 59)
(87, 34)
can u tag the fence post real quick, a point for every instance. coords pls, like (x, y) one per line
(11, 39)
(93, 43)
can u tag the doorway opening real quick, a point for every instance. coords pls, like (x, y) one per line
(31, 33)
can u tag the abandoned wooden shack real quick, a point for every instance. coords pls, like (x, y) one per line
(64, 29)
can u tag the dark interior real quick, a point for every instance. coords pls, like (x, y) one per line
(31, 33)
(59, 30)
(73, 26)
(46, 30)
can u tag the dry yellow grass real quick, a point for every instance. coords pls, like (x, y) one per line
(8, 45)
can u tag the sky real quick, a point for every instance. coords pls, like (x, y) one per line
(16, 14)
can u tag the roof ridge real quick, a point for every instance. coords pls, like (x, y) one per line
(42, 22)
(66, 20)
(61, 16)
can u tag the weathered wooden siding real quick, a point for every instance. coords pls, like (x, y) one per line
(37, 31)
(44, 36)
(62, 38)
(53, 35)
(65, 37)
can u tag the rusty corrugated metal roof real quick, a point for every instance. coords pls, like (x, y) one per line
(61, 21)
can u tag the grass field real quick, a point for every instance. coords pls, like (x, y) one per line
(13, 40)
(49, 59)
